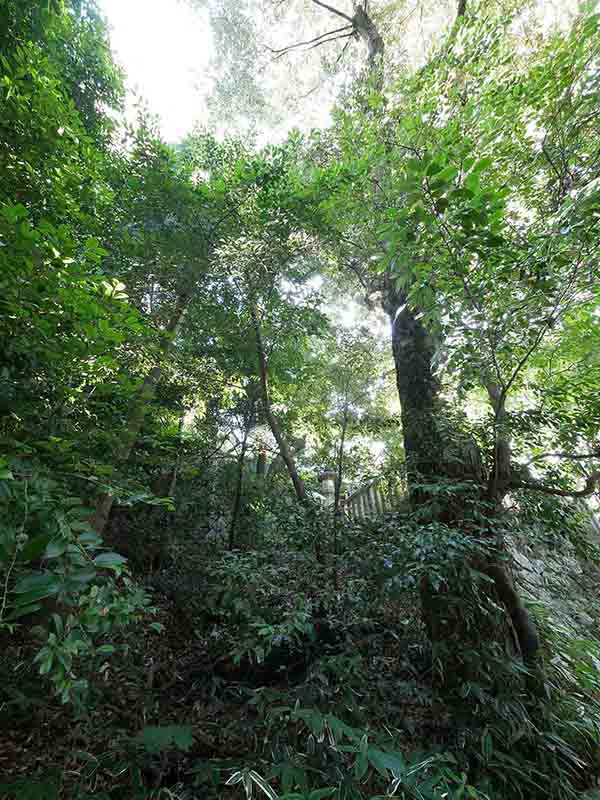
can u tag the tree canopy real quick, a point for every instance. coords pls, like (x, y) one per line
(299, 417)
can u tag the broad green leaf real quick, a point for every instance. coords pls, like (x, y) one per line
(56, 548)
(22, 611)
(34, 547)
(386, 763)
(481, 164)
(109, 560)
(46, 582)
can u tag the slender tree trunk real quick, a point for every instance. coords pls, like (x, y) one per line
(261, 465)
(284, 450)
(340, 462)
(238, 491)
(179, 458)
(498, 484)
(339, 474)
(240, 477)
(138, 408)
(164, 485)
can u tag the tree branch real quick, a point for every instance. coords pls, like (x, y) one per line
(343, 50)
(590, 487)
(568, 456)
(284, 50)
(316, 44)
(334, 11)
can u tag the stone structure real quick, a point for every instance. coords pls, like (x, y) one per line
(327, 481)
(376, 497)
(552, 576)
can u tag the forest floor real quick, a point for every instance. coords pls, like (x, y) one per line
(376, 677)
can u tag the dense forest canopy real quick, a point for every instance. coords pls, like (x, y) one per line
(300, 414)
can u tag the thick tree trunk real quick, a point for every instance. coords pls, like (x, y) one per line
(418, 390)
(425, 447)
(425, 442)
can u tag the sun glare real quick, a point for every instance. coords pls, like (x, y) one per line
(165, 47)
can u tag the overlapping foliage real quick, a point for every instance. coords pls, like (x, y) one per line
(171, 322)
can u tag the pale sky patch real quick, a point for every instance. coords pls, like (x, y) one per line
(164, 47)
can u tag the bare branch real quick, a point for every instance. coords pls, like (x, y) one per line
(333, 39)
(283, 50)
(344, 48)
(333, 10)
(317, 44)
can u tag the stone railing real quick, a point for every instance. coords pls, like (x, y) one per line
(375, 498)
(384, 493)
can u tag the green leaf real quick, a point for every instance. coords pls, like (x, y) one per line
(434, 168)
(447, 174)
(111, 560)
(56, 548)
(58, 624)
(482, 164)
(48, 582)
(237, 777)
(30, 789)
(90, 539)
(387, 762)
(472, 182)
(263, 785)
(81, 577)
(157, 738)
(32, 597)
(35, 547)
(22, 611)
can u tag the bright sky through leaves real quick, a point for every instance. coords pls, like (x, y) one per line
(164, 47)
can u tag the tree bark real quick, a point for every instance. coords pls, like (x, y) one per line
(425, 442)
(164, 485)
(368, 32)
(340, 461)
(418, 390)
(261, 464)
(238, 489)
(284, 450)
